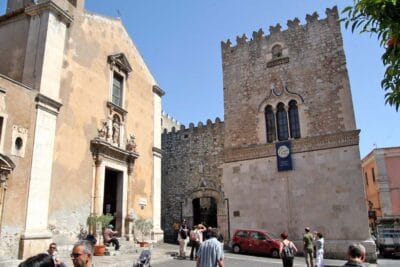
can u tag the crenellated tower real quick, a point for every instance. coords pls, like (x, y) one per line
(304, 63)
(290, 135)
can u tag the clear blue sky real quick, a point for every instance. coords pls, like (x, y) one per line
(180, 42)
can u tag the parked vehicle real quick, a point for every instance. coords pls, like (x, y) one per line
(388, 240)
(255, 241)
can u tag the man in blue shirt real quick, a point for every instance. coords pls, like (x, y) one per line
(210, 253)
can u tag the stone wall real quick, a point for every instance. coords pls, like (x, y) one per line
(191, 168)
(311, 70)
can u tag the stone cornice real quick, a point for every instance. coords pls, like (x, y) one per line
(53, 7)
(330, 141)
(121, 61)
(157, 90)
(47, 104)
(158, 152)
(116, 108)
(102, 149)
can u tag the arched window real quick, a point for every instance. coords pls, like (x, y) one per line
(294, 120)
(270, 124)
(276, 51)
(282, 123)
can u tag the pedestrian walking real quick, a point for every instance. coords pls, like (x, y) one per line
(319, 245)
(183, 239)
(210, 253)
(287, 250)
(196, 238)
(308, 241)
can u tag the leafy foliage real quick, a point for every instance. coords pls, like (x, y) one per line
(104, 219)
(144, 226)
(381, 17)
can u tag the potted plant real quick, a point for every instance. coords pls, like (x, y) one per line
(144, 226)
(96, 225)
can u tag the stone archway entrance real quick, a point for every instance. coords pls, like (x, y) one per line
(205, 211)
(205, 205)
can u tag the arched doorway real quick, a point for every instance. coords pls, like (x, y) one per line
(205, 211)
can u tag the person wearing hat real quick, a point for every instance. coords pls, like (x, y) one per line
(308, 241)
(109, 236)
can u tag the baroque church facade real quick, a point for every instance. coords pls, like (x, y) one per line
(286, 155)
(80, 130)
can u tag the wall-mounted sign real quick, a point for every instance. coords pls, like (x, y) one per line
(284, 156)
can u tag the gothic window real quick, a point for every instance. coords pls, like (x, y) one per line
(270, 123)
(276, 51)
(282, 123)
(117, 89)
(294, 120)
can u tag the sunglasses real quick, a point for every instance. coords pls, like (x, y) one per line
(76, 255)
(53, 248)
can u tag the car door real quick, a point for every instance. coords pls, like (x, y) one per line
(259, 242)
(242, 239)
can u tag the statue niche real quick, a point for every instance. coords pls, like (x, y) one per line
(116, 126)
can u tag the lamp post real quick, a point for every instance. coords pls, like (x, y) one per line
(229, 220)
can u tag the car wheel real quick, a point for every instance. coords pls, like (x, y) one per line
(236, 249)
(275, 253)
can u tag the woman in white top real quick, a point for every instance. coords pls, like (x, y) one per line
(319, 244)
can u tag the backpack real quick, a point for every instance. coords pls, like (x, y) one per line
(287, 251)
(183, 233)
(193, 235)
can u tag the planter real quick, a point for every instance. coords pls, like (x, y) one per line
(144, 244)
(99, 250)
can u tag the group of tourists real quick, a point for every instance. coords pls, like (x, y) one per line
(207, 245)
(311, 241)
(81, 256)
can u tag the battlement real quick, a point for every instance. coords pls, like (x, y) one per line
(168, 122)
(258, 36)
(209, 125)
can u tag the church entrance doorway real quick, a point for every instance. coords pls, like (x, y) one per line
(113, 185)
(205, 211)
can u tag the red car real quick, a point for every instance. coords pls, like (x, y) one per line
(255, 241)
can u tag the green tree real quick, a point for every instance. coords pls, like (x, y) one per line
(381, 17)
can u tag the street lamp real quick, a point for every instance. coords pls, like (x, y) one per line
(229, 221)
